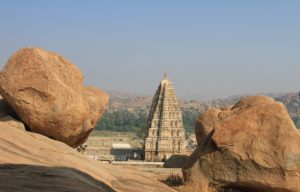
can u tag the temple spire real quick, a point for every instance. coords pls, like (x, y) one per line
(165, 133)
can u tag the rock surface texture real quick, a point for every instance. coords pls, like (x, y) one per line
(30, 162)
(47, 93)
(253, 146)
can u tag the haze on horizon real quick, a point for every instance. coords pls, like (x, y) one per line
(213, 49)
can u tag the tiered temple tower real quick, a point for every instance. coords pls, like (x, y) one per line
(165, 133)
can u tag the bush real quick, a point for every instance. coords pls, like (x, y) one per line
(174, 180)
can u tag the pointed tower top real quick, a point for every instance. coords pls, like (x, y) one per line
(165, 80)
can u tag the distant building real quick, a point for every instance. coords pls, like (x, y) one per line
(165, 134)
(111, 148)
(124, 152)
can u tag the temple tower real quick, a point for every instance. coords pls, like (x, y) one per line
(165, 134)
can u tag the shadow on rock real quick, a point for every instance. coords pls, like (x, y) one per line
(21, 177)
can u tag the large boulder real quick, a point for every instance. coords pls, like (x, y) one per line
(47, 93)
(31, 162)
(253, 146)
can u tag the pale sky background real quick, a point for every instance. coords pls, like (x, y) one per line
(209, 49)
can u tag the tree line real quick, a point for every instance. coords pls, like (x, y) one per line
(136, 121)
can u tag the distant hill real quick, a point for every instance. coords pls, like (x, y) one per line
(128, 101)
(128, 112)
(134, 101)
(292, 103)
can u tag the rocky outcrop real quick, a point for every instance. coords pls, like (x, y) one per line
(253, 146)
(31, 162)
(47, 93)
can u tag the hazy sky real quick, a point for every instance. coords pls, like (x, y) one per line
(209, 49)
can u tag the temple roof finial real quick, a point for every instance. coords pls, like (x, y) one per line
(165, 75)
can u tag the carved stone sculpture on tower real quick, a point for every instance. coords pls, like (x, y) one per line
(165, 134)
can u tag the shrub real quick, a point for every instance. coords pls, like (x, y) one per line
(174, 180)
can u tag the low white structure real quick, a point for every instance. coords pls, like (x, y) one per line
(124, 152)
(121, 146)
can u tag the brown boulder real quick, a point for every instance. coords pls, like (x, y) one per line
(46, 92)
(253, 147)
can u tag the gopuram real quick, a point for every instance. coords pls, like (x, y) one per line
(165, 134)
